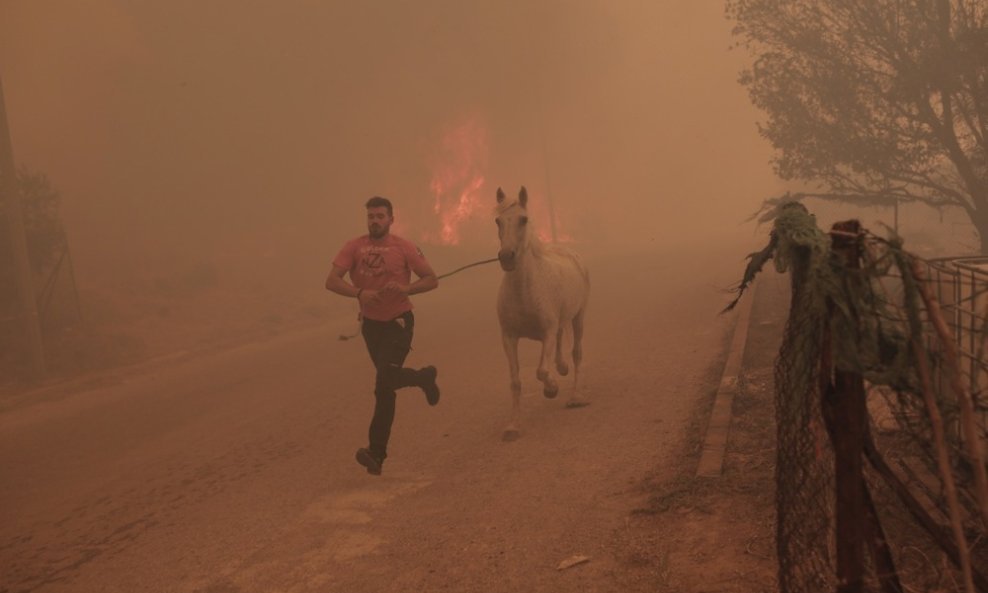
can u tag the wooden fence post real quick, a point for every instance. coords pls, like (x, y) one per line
(847, 416)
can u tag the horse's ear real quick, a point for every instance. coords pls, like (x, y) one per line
(500, 195)
(523, 196)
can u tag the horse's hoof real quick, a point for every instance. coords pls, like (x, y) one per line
(562, 369)
(577, 403)
(550, 393)
(511, 434)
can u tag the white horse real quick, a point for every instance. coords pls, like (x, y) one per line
(544, 292)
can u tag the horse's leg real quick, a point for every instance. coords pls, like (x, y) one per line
(510, 343)
(550, 387)
(561, 367)
(577, 400)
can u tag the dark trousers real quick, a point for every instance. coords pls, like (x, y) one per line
(388, 343)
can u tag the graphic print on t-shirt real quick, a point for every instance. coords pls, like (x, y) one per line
(372, 263)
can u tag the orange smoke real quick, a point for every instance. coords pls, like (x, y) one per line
(458, 176)
(542, 216)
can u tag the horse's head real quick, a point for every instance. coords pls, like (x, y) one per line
(512, 228)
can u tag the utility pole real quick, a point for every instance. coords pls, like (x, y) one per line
(545, 163)
(548, 187)
(10, 193)
(895, 214)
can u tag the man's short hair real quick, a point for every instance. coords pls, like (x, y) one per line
(379, 202)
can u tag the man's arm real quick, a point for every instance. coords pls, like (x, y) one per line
(427, 281)
(337, 284)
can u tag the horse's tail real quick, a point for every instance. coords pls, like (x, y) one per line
(578, 337)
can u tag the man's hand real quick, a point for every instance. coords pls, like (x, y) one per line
(369, 296)
(394, 288)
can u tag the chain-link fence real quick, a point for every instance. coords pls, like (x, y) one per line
(804, 458)
(881, 414)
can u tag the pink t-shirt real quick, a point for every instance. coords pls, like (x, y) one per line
(372, 263)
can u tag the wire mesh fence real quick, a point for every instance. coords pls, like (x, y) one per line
(881, 413)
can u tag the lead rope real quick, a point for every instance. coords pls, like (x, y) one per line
(345, 337)
(460, 269)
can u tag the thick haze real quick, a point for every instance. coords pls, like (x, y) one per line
(259, 128)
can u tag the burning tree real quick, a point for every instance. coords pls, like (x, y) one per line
(874, 101)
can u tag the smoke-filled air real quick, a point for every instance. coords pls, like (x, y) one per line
(229, 147)
(215, 344)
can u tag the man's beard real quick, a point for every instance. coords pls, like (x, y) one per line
(377, 231)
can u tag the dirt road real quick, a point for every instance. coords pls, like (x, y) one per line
(234, 472)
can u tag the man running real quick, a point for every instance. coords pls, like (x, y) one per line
(380, 266)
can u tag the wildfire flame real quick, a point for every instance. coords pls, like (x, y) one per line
(458, 176)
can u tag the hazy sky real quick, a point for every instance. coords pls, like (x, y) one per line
(208, 124)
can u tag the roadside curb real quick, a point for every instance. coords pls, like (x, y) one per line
(715, 442)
